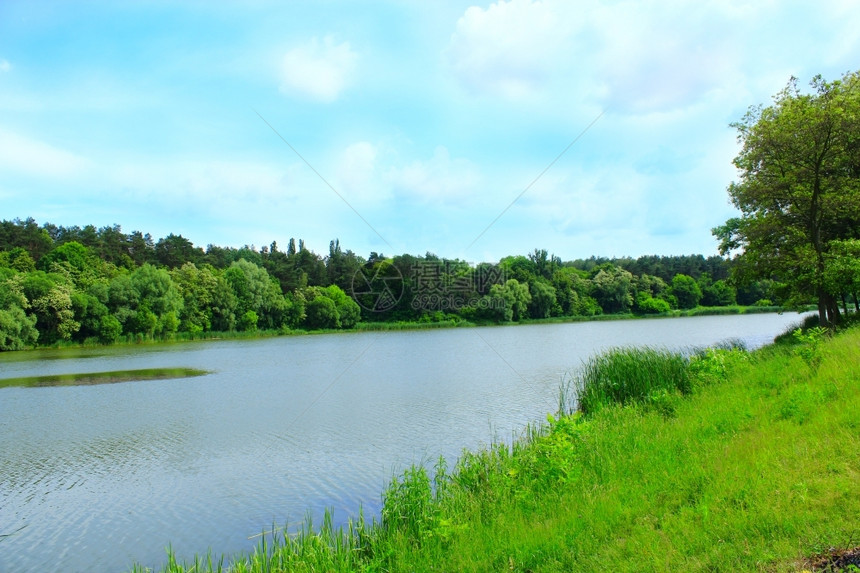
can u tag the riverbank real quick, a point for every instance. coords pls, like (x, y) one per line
(449, 322)
(755, 467)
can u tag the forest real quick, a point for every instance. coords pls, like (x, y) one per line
(89, 285)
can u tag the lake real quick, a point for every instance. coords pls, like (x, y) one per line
(95, 478)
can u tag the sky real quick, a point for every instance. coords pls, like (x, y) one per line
(469, 130)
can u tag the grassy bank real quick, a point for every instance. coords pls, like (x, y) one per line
(738, 462)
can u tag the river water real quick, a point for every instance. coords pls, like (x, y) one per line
(96, 478)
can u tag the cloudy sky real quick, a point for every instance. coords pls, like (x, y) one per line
(398, 127)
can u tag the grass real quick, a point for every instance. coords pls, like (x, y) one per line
(625, 375)
(89, 378)
(746, 462)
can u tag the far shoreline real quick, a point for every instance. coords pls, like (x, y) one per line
(412, 325)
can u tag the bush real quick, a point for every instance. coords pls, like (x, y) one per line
(321, 312)
(248, 321)
(651, 305)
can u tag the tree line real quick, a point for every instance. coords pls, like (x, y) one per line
(88, 284)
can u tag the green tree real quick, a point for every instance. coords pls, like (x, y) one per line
(543, 300)
(719, 293)
(348, 310)
(27, 235)
(613, 288)
(75, 254)
(18, 259)
(686, 290)
(17, 329)
(256, 291)
(49, 298)
(321, 312)
(798, 188)
(510, 301)
(123, 300)
(646, 304)
(842, 271)
(175, 250)
(90, 309)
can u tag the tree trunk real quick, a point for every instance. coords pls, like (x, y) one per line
(822, 310)
(833, 310)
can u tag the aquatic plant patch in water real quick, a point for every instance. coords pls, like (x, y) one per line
(88, 378)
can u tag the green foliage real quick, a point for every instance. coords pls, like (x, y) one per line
(719, 293)
(686, 290)
(809, 345)
(543, 300)
(248, 321)
(74, 254)
(713, 365)
(17, 259)
(646, 304)
(842, 268)
(109, 329)
(321, 313)
(408, 505)
(509, 301)
(798, 191)
(49, 300)
(348, 311)
(17, 330)
(626, 375)
(613, 289)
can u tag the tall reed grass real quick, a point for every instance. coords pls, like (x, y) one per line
(624, 375)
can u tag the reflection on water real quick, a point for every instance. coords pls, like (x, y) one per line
(98, 477)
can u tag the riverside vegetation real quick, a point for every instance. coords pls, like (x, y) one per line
(721, 460)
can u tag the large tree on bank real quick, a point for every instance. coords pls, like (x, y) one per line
(798, 188)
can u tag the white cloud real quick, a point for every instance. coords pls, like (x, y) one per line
(318, 70)
(5, 66)
(358, 174)
(660, 57)
(33, 157)
(437, 179)
(630, 56)
(510, 48)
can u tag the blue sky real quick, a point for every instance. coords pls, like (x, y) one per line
(428, 119)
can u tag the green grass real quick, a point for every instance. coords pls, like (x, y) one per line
(752, 464)
(407, 325)
(626, 375)
(89, 378)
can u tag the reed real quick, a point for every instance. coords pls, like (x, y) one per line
(625, 375)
